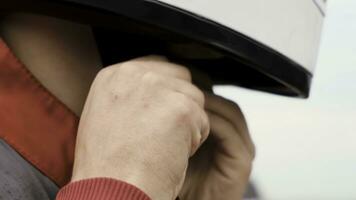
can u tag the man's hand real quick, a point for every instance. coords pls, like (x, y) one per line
(220, 169)
(142, 121)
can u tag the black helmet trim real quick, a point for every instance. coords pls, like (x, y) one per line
(276, 72)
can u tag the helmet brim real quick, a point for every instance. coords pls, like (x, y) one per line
(126, 29)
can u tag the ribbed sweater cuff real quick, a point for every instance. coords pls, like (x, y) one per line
(101, 188)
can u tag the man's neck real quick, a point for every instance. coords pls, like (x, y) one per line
(62, 55)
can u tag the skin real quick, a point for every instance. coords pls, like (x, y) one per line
(218, 170)
(156, 154)
(222, 166)
(55, 52)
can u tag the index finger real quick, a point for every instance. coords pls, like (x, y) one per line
(163, 66)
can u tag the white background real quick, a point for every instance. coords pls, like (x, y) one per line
(307, 148)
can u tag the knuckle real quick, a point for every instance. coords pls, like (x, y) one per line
(249, 166)
(151, 78)
(206, 127)
(185, 72)
(200, 96)
(253, 151)
(129, 67)
(195, 145)
(184, 106)
(234, 106)
(104, 75)
(246, 165)
(104, 72)
(247, 170)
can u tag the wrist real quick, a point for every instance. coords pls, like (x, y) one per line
(151, 185)
(101, 188)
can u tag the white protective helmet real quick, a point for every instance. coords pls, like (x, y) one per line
(268, 45)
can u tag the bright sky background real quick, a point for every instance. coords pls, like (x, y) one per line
(307, 148)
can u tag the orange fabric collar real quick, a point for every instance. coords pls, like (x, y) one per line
(34, 122)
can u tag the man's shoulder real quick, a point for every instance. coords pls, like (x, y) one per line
(20, 180)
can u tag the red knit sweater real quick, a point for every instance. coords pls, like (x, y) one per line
(101, 188)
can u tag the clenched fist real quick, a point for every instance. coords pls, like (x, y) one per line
(141, 122)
